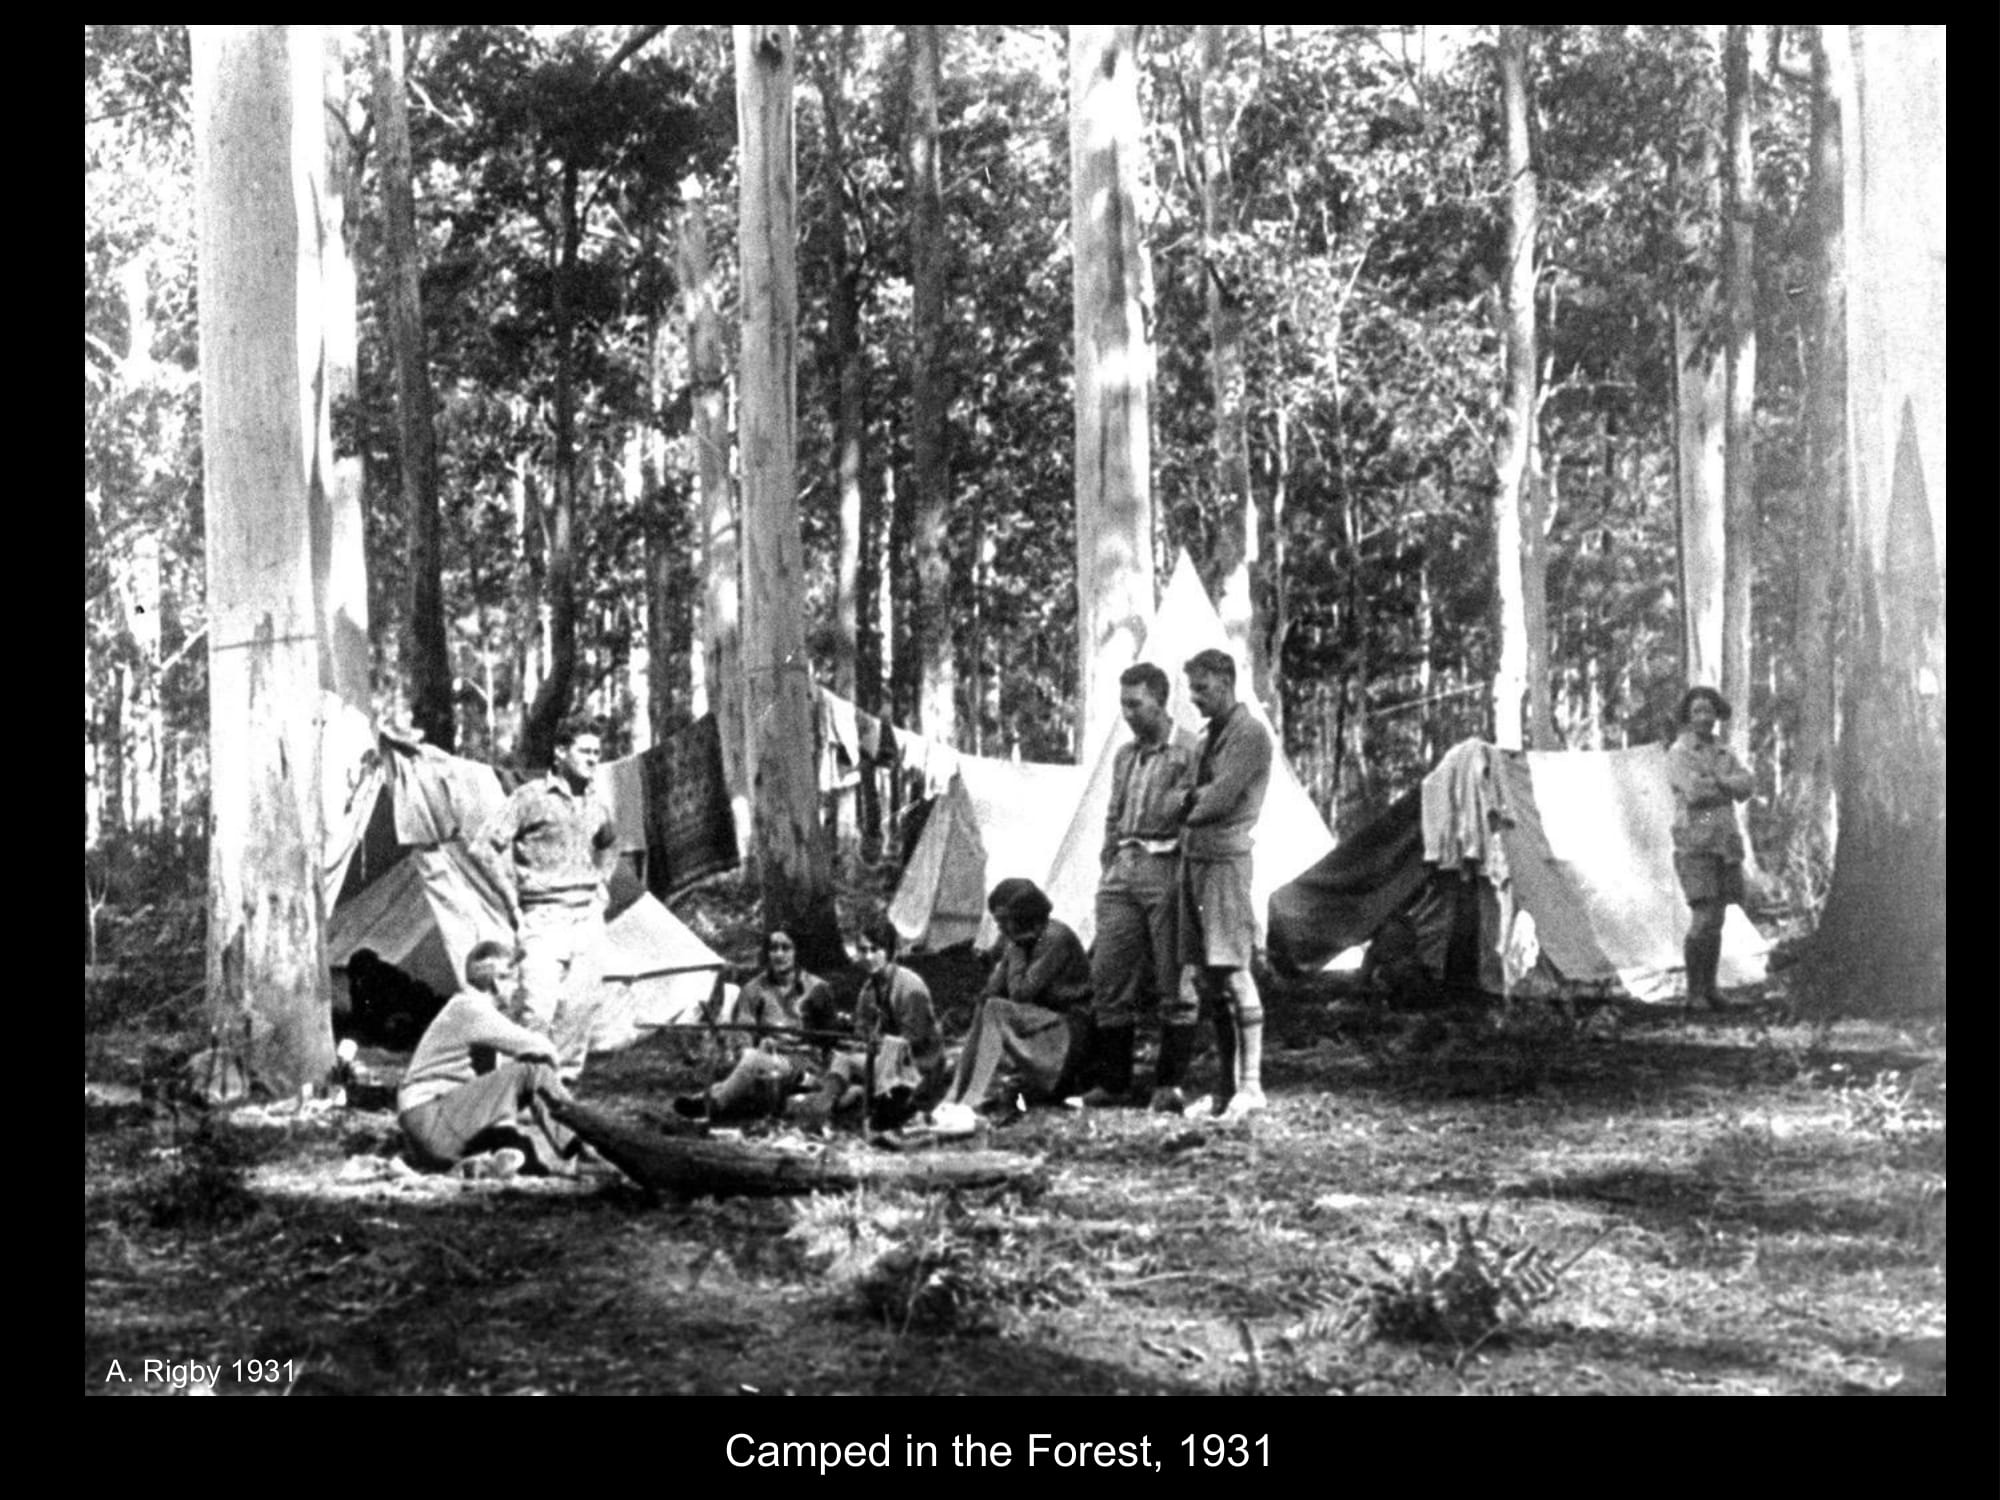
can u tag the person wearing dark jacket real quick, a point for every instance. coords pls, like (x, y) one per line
(893, 1014)
(1027, 1035)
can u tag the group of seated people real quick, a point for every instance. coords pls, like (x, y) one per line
(481, 1080)
(1029, 1040)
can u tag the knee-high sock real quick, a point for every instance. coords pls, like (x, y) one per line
(1249, 1017)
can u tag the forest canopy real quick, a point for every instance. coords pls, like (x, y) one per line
(1335, 204)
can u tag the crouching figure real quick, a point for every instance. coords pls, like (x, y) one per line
(479, 1081)
(1031, 1031)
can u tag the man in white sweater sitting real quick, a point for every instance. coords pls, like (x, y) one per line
(479, 1082)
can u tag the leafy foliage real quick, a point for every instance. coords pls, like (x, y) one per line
(1359, 253)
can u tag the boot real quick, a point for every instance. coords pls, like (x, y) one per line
(1703, 956)
(1111, 1067)
(1176, 1052)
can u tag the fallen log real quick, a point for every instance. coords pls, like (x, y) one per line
(690, 1166)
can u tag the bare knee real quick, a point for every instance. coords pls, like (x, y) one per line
(1706, 919)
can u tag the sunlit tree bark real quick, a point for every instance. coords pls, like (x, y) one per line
(1114, 497)
(721, 577)
(340, 562)
(1512, 502)
(793, 865)
(930, 463)
(1700, 395)
(1739, 524)
(1881, 944)
(259, 156)
(844, 351)
(1810, 813)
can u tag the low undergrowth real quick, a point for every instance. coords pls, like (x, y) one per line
(1555, 1201)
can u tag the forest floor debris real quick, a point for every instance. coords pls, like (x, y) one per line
(1718, 1204)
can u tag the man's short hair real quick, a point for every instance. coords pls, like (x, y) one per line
(1212, 663)
(569, 730)
(485, 953)
(1143, 674)
(1694, 695)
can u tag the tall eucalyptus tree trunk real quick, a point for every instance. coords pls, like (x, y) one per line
(1114, 496)
(1739, 462)
(427, 655)
(259, 160)
(930, 462)
(793, 865)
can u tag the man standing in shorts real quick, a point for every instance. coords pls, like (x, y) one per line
(1708, 781)
(1218, 918)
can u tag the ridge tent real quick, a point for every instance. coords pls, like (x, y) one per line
(410, 891)
(402, 794)
(1575, 880)
(1291, 835)
(995, 818)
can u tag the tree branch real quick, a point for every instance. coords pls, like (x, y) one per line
(626, 48)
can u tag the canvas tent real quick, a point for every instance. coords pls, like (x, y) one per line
(409, 890)
(1290, 834)
(995, 818)
(1578, 884)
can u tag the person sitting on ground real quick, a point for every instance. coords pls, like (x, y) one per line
(894, 1010)
(771, 1064)
(1031, 1028)
(480, 1081)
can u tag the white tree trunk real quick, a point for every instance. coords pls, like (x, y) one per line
(931, 629)
(1114, 372)
(1881, 945)
(340, 563)
(259, 164)
(1739, 444)
(1512, 503)
(721, 579)
(793, 864)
